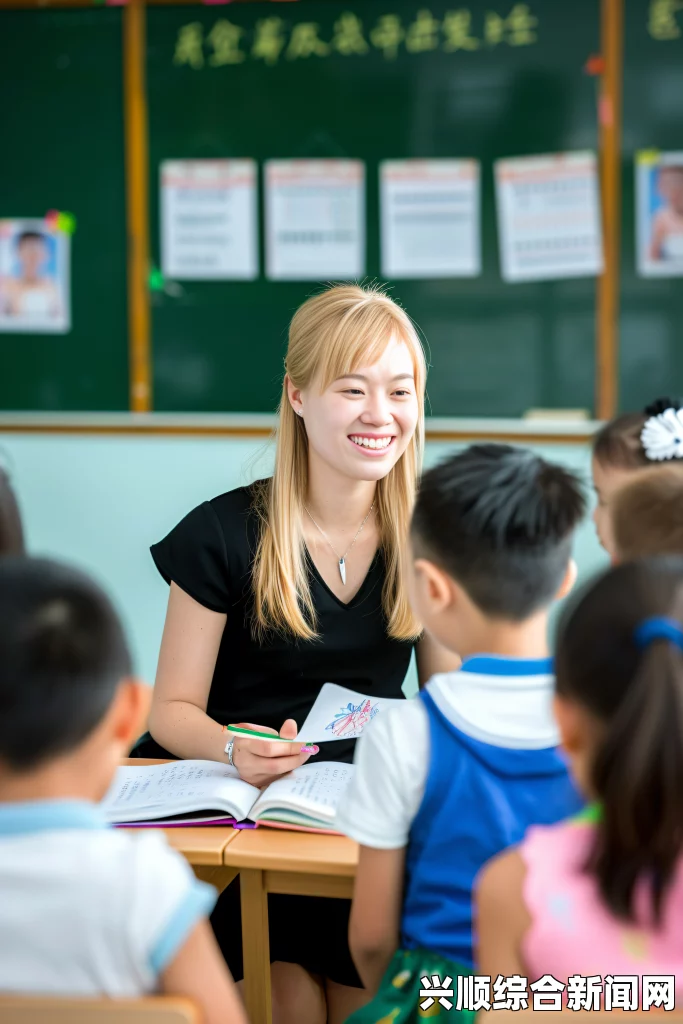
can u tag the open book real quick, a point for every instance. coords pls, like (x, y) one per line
(209, 792)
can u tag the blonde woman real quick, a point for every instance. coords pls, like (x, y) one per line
(280, 587)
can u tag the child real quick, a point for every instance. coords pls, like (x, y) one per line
(603, 894)
(448, 779)
(86, 909)
(33, 292)
(667, 225)
(647, 515)
(11, 532)
(630, 443)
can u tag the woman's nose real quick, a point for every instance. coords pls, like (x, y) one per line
(377, 411)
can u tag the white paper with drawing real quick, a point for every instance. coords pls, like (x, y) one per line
(341, 714)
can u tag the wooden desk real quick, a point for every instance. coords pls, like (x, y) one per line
(274, 860)
(204, 847)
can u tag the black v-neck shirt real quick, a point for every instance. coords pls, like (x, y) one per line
(209, 556)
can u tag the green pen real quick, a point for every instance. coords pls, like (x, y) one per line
(255, 734)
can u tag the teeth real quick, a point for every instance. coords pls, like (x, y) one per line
(371, 442)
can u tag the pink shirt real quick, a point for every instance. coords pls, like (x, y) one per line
(573, 932)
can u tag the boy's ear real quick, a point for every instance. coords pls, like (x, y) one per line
(130, 711)
(438, 588)
(568, 581)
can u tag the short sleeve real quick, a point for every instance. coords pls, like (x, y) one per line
(194, 556)
(391, 764)
(166, 902)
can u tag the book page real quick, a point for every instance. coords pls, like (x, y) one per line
(341, 714)
(316, 788)
(160, 790)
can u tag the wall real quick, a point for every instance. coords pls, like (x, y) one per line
(99, 502)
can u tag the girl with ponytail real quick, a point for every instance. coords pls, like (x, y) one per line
(603, 893)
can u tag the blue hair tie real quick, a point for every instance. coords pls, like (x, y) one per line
(658, 628)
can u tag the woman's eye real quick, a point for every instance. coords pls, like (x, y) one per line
(353, 391)
(401, 393)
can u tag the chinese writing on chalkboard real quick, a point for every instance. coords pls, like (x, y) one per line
(271, 40)
(665, 18)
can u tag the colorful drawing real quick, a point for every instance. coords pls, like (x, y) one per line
(350, 721)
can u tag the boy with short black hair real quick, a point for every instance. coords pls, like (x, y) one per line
(647, 515)
(86, 909)
(451, 778)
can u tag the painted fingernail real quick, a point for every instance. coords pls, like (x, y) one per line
(312, 749)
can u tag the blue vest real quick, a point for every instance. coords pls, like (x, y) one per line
(478, 800)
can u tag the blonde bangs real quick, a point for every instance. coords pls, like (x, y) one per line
(333, 334)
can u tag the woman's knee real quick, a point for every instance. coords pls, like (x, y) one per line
(298, 995)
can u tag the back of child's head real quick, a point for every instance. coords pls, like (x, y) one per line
(62, 654)
(620, 657)
(499, 520)
(647, 515)
(636, 440)
(11, 532)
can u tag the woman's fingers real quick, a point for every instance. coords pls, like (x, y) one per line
(282, 765)
(261, 761)
(289, 729)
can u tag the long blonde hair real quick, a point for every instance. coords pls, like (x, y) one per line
(333, 334)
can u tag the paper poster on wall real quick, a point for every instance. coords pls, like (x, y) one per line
(209, 220)
(34, 277)
(430, 218)
(315, 220)
(659, 213)
(548, 217)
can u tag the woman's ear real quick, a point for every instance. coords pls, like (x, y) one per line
(568, 581)
(294, 395)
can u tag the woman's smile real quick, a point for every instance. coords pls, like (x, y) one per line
(372, 444)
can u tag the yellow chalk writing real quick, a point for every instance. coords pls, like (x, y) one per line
(225, 37)
(387, 35)
(423, 34)
(662, 22)
(348, 36)
(305, 42)
(269, 40)
(456, 27)
(188, 47)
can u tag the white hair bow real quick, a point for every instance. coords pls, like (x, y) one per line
(662, 436)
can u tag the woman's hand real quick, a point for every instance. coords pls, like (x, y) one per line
(260, 762)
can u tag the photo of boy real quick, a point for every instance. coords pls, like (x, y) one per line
(33, 278)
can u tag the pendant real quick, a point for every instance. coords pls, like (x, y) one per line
(342, 570)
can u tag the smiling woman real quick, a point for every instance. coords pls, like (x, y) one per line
(296, 581)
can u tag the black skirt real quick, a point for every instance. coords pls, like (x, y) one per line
(308, 930)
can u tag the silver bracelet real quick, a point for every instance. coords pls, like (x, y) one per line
(228, 751)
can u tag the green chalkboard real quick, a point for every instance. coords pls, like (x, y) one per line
(501, 90)
(651, 358)
(62, 148)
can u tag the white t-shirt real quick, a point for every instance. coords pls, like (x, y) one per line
(488, 698)
(86, 909)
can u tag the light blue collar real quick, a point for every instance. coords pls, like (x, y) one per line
(49, 816)
(497, 665)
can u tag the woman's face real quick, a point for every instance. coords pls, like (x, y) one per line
(362, 424)
(607, 480)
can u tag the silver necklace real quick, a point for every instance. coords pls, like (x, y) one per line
(341, 561)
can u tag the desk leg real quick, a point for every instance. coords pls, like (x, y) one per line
(256, 947)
